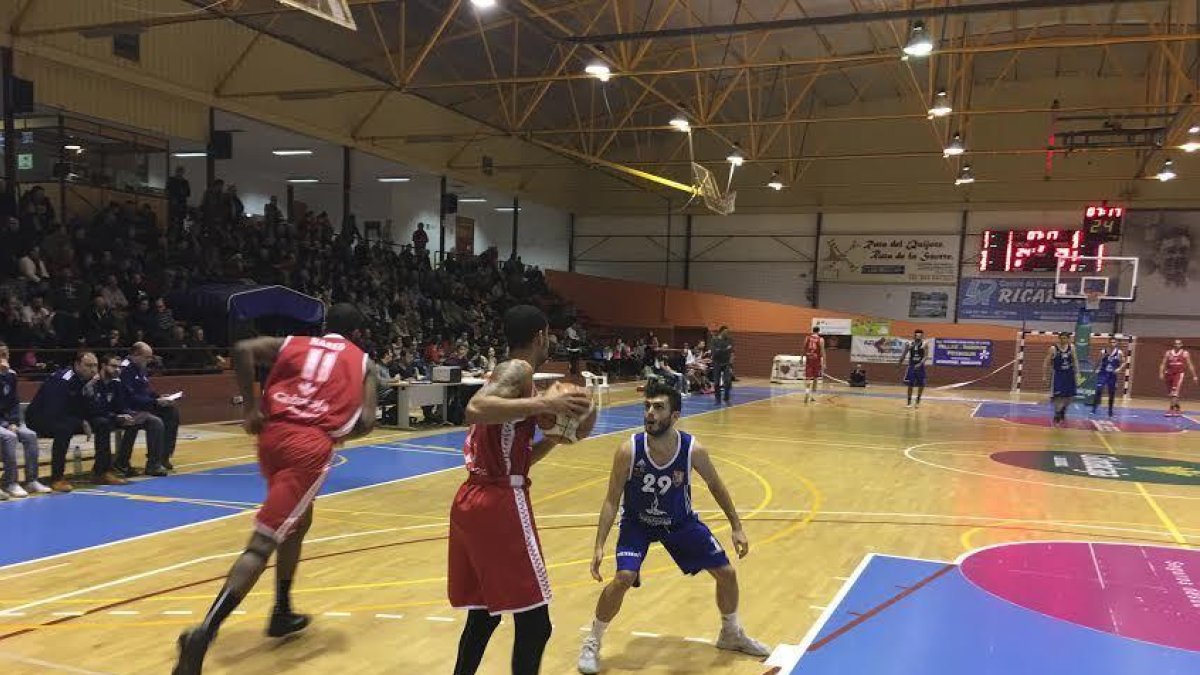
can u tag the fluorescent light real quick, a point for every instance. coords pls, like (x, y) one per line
(1194, 130)
(471, 200)
(291, 153)
(965, 176)
(73, 148)
(483, 4)
(304, 180)
(1167, 172)
(189, 154)
(941, 105)
(1193, 142)
(599, 70)
(919, 42)
(507, 209)
(393, 179)
(736, 157)
(955, 148)
(775, 184)
(680, 122)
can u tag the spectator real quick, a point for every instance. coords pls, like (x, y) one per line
(97, 321)
(31, 268)
(214, 205)
(143, 318)
(272, 216)
(114, 297)
(107, 410)
(14, 433)
(156, 414)
(386, 394)
(179, 190)
(420, 240)
(59, 411)
(237, 210)
(164, 320)
(858, 376)
(722, 359)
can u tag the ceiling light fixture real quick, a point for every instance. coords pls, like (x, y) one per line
(1167, 172)
(919, 42)
(73, 148)
(291, 153)
(471, 200)
(189, 154)
(941, 105)
(955, 148)
(506, 209)
(736, 157)
(304, 180)
(680, 122)
(1193, 141)
(483, 4)
(393, 179)
(775, 184)
(597, 67)
(965, 176)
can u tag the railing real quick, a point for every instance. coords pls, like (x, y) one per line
(35, 363)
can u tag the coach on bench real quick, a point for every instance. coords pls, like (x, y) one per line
(157, 415)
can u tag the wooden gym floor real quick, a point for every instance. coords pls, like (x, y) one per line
(101, 581)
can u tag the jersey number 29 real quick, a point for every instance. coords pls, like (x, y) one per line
(663, 484)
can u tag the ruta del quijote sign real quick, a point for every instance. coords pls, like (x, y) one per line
(867, 259)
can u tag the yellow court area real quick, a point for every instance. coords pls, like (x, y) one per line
(819, 485)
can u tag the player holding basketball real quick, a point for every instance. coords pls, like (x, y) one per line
(1171, 371)
(320, 390)
(1112, 362)
(1062, 368)
(496, 564)
(652, 475)
(814, 363)
(915, 355)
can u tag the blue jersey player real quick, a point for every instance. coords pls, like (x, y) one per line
(651, 480)
(1112, 362)
(1062, 369)
(915, 355)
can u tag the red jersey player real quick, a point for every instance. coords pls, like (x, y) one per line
(814, 363)
(320, 390)
(1171, 370)
(496, 564)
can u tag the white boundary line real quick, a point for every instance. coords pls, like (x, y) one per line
(9, 656)
(830, 608)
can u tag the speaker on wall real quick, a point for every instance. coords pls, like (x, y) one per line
(450, 202)
(220, 146)
(22, 91)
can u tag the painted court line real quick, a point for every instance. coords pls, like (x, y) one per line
(336, 614)
(47, 664)
(32, 572)
(440, 619)
(698, 639)
(638, 633)
(389, 616)
(177, 612)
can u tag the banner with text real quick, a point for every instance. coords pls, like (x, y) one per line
(877, 349)
(832, 326)
(868, 326)
(959, 352)
(865, 259)
(1020, 299)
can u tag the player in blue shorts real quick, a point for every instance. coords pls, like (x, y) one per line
(915, 355)
(1062, 369)
(652, 473)
(1112, 362)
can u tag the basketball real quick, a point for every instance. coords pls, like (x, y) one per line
(565, 428)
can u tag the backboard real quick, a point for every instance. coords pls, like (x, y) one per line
(1113, 278)
(337, 11)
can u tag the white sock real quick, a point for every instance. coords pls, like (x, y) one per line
(729, 622)
(598, 628)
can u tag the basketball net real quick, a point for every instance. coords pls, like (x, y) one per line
(335, 11)
(704, 183)
(1091, 300)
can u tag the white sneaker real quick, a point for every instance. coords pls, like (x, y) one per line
(589, 656)
(740, 642)
(16, 491)
(35, 487)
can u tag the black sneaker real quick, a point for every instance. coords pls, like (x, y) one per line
(285, 624)
(127, 471)
(192, 647)
(168, 465)
(156, 471)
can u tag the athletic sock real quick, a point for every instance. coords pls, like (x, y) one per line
(598, 628)
(283, 596)
(730, 623)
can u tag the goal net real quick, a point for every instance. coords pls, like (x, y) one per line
(1033, 345)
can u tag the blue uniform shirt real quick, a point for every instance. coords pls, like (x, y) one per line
(59, 396)
(135, 381)
(659, 496)
(107, 399)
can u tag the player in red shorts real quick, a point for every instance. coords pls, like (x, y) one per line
(1171, 370)
(814, 363)
(320, 391)
(496, 564)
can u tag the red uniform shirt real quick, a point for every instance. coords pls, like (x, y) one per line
(812, 347)
(1176, 361)
(495, 450)
(316, 382)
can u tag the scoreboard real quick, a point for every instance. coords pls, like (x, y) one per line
(1041, 250)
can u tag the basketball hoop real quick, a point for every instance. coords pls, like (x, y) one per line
(1091, 300)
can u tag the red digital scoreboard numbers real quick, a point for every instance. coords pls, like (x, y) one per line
(1036, 250)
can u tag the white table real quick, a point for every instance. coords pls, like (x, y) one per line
(411, 395)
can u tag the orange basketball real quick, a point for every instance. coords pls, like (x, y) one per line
(565, 428)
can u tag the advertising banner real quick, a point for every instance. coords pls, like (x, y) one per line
(1020, 299)
(962, 352)
(832, 326)
(933, 305)
(871, 259)
(870, 327)
(877, 349)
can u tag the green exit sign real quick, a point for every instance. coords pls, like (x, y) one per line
(25, 161)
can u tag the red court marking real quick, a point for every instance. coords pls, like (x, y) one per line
(877, 609)
(1146, 593)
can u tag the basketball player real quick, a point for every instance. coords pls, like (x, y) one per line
(916, 355)
(319, 391)
(1112, 362)
(814, 363)
(496, 564)
(652, 475)
(1171, 371)
(1062, 369)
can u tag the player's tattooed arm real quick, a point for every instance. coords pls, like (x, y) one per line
(506, 396)
(612, 502)
(704, 466)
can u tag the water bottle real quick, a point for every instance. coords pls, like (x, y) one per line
(77, 452)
